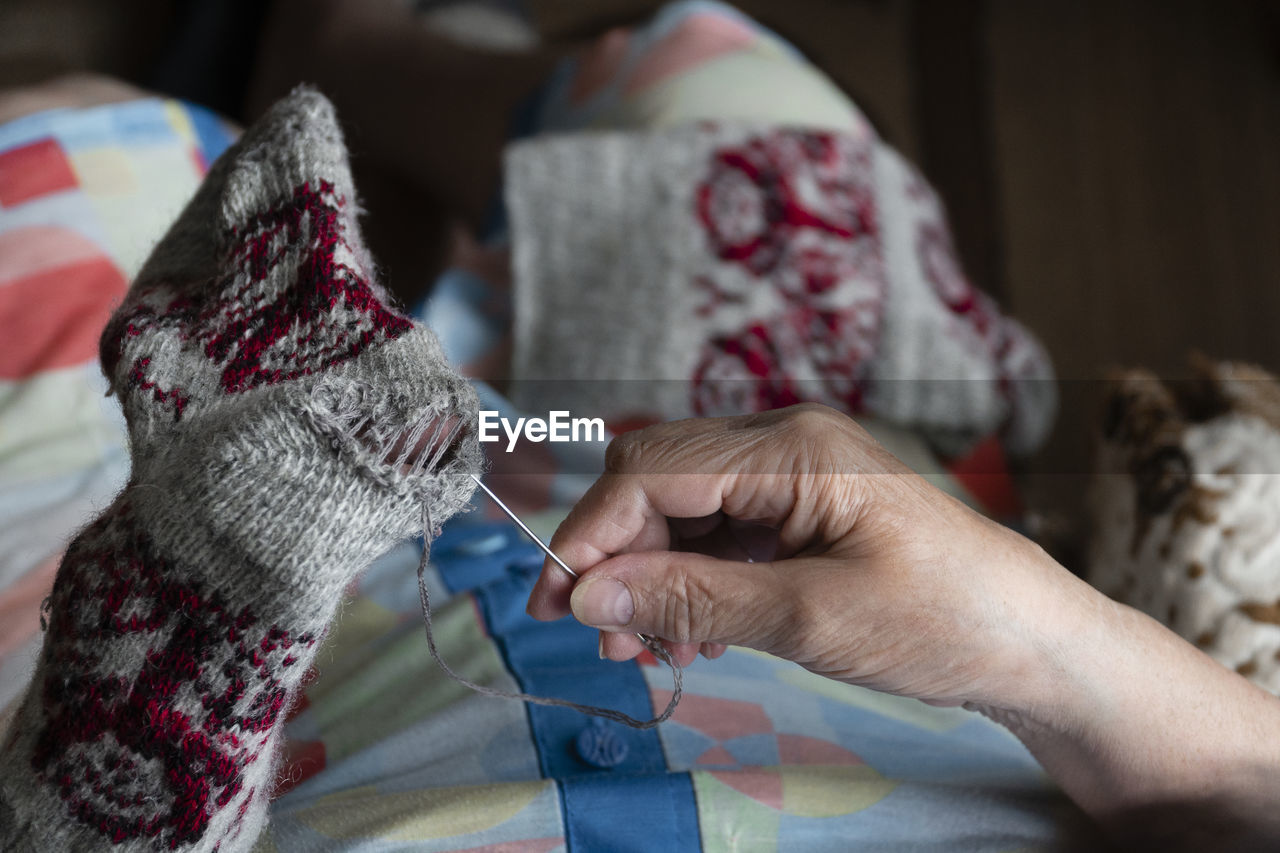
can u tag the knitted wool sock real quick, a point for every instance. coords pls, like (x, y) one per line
(286, 428)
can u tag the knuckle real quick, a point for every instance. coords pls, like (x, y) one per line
(814, 420)
(623, 453)
(826, 439)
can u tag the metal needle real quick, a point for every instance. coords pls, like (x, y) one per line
(647, 640)
(527, 532)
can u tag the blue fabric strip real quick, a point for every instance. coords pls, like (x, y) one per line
(630, 813)
(560, 659)
(470, 554)
(636, 804)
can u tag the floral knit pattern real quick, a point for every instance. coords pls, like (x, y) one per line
(721, 268)
(165, 740)
(262, 329)
(287, 426)
(797, 212)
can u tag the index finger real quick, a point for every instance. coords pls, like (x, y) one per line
(619, 513)
(683, 469)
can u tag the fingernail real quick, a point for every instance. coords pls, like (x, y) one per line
(603, 603)
(600, 647)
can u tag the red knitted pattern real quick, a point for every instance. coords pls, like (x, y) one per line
(796, 212)
(158, 694)
(138, 379)
(287, 307)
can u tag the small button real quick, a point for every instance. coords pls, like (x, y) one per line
(601, 745)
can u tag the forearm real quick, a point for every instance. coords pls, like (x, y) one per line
(1146, 733)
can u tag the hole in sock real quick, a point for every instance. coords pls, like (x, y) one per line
(426, 446)
(384, 444)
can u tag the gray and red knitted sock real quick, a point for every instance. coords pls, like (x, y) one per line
(286, 426)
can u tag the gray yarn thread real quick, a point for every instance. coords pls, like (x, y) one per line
(617, 716)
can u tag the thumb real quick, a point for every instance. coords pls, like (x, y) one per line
(685, 598)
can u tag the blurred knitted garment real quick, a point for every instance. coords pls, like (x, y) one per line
(286, 426)
(722, 268)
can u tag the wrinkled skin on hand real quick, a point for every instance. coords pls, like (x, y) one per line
(863, 571)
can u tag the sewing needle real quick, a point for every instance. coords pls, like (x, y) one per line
(527, 532)
(647, 640)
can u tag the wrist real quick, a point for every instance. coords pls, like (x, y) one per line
(1057, 654)
(1130, 719)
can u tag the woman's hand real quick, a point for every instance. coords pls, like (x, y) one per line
(865, 573)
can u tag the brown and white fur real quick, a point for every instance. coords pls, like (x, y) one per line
(1186, 509)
